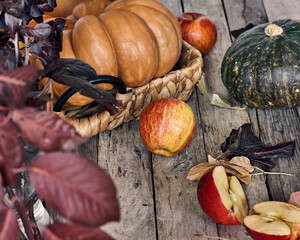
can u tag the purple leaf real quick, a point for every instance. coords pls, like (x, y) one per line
(19, 81)
(8, 225)
(61, 231)
(69, 67)
(230, 140)
(53, 44)
(76, 188)
(13, 23)
(12, 7)
(285, 148)
(35, 9)
(2, 205)
(49, 48)
(44, 5)
(46, 130)
(265, 163)
(251, 147)
(7, 59)
(11, 152)
(39, 101)
(247, 139)
(40, 32)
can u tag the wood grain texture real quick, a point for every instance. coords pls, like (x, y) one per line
(240, 13)
(176, 197)
(217, 122)
(122, 154)
(179, 215)
(277, 9)
(212, 62)
(282, 125)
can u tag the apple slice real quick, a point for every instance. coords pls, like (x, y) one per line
(273, 220)
(222, 198)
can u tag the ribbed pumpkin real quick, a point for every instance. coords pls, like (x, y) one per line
(262, 67)
(66, 8)
(136, 40)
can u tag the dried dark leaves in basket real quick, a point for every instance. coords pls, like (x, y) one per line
(80, 77)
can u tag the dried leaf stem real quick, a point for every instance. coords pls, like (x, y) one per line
(22, 212)
(269, 173)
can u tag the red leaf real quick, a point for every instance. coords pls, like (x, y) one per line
(61, 231)
(76, 188)
(19, 81)
(46, 130)
(11, 153)
(8, 225)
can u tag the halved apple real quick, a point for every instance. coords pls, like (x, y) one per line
(273, 220)
(222, 197)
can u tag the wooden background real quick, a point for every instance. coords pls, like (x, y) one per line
(157, 201)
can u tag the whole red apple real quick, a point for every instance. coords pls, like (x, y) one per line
(273, 220)
(167, 126)
(198, 30)
(222, 197)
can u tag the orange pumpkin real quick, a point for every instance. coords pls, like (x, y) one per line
(136, 40)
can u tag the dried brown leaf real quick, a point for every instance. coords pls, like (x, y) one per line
(199, 170)
(211, 159)
(238, 171)
(238, 166)
(243, 162)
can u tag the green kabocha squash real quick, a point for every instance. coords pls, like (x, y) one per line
(262, 67)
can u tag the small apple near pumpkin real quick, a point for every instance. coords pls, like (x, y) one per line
(167, 126)
(198, 30)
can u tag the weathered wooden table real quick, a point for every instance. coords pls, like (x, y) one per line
(156, 199)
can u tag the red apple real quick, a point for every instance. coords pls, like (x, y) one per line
(222, 197)
(198, 30)
(273, 220)
(167, 126)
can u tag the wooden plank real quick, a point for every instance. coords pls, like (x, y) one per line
(178, 213)
(173, 5)
(90, 149)
(122, 154)
(240, 13)
(277, 9)
(282, 125)
(217, 122)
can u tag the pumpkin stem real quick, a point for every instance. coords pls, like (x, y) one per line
(273, 30)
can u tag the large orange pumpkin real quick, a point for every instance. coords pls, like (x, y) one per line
(136, 40)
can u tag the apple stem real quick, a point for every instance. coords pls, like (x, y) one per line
(270, 173)
(206, 236)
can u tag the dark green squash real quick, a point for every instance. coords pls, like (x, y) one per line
(262, 67)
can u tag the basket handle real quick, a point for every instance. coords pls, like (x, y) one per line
(117, 82)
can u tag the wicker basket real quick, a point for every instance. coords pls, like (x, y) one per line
(178, 83)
